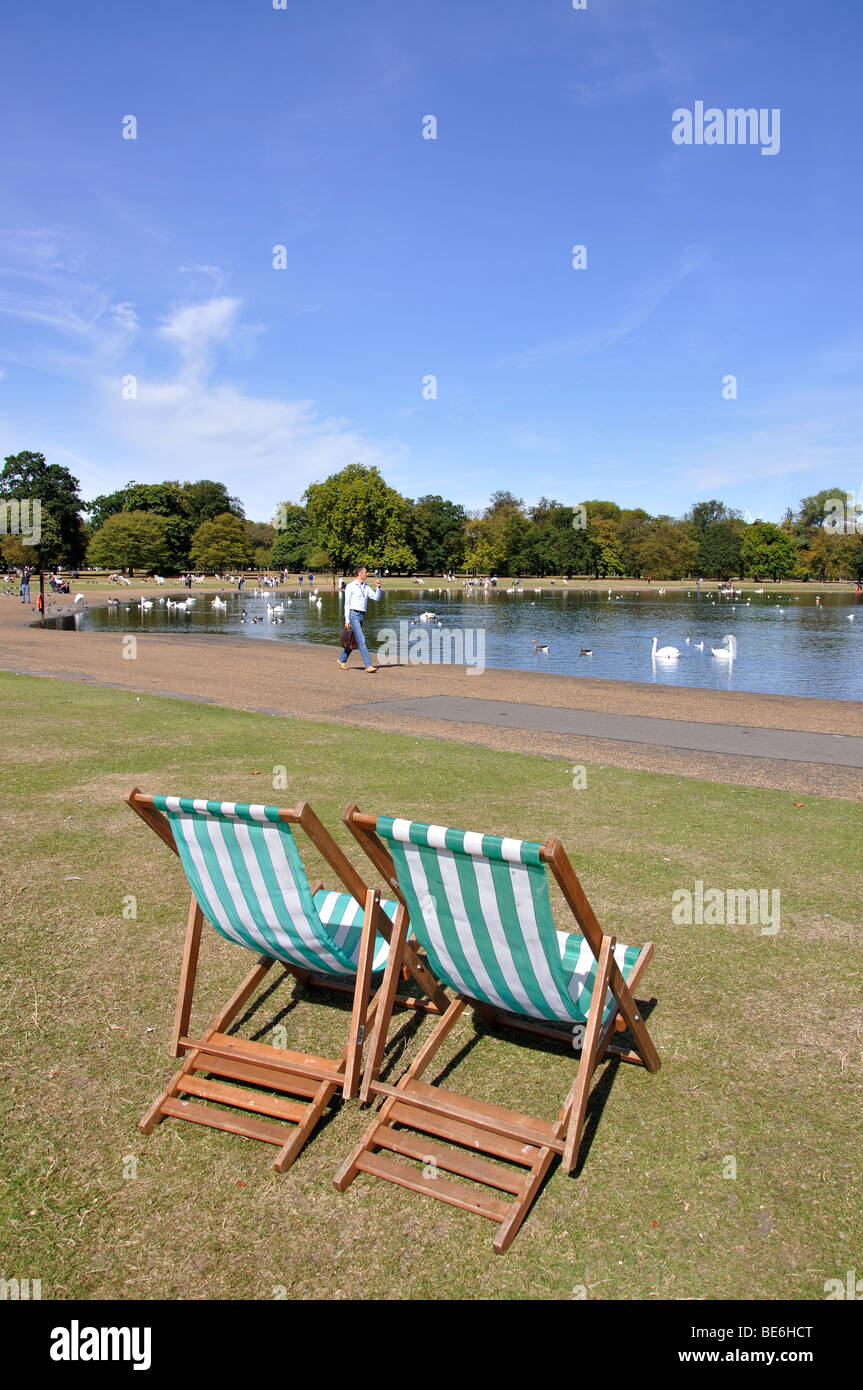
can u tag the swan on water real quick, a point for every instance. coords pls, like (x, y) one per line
(728, 652)
(664, 653)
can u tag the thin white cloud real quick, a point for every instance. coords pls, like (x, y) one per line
(124, 316)
(641, 307)
(264, 448)
(195, 329)
(213, 271)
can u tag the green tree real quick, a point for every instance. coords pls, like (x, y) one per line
(358, 519)
(608, 511)
(633, 529)
(131, 540)
(606, 556)
(220, 544)
(484, 551)
(164, 499)
(523, 547)
(767, 550)
(294, 538)
(719, 550)
(812, 511)
(27, 477)
(436, 534)
(261, 536)
(205, 500)
(670, 550)
(107, 504)
(826, 556)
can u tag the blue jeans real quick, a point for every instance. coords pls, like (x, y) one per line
(356, 619)
(25, 592)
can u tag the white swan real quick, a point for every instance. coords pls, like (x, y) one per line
(727, 653)
(664, 653)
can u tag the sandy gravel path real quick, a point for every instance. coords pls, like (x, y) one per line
(302, 679)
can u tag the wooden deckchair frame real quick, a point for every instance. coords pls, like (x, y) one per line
(220, 1054)
(521, 1140)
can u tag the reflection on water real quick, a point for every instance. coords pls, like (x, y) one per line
(785, 643)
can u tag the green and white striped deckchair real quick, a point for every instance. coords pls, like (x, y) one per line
(479, 907)
(248, 880)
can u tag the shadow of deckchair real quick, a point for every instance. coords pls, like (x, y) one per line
(479, 907)
(247, 878)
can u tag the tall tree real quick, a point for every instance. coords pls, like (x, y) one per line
(436, 534)
(221, 543)
(358, 519)
(205, 500)
(670, 550)
(294, 538)
(767, 551)
(131, 540)
(27, 477)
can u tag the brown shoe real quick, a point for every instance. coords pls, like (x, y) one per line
(371, 668)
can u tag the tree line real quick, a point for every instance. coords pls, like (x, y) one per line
(355, 517)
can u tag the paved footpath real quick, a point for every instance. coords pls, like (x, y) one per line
(807, 746)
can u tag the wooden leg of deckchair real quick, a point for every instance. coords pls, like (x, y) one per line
(349, 1169)
(152, 1117)
(386, 996)
(315, 1109)
(521, 1206)
(188, 973)
(618, 1022)
(587, 1063)
(635, 1023)
(424, 978)
(361, 995)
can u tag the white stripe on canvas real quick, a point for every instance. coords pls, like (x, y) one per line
(430, 917)
(215, 831)
(520, 880)
(290, 893)
(464, 931)
(502, 951)
(213, 906)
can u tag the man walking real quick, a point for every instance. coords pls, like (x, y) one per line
(357, 595)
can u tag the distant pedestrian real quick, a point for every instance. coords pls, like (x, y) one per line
(25, 584)
(357, 595)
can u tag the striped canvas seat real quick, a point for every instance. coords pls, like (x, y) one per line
(245, 870)
(246, 876)
(479, 906)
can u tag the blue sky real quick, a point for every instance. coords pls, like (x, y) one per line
(451, 257)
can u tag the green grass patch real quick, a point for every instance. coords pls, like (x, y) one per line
(761, 1037)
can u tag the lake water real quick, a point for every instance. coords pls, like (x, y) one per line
(785, 644)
